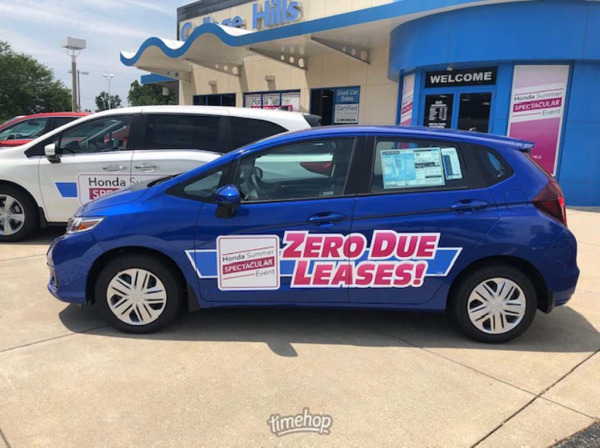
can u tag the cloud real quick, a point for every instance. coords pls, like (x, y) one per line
(70, 14)
(35, 27)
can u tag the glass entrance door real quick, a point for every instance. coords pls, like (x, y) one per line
(458, 109)
(474, 111)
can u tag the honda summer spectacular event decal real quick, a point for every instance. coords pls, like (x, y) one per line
(312, 260)
(94, 186)
(537, 109)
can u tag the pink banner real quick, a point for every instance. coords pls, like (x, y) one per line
(408, 93)
(537, 109)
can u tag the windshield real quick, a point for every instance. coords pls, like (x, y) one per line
(28, 129)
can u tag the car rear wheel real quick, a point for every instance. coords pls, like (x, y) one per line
(18, 214)
(138, 293)
(495, 304)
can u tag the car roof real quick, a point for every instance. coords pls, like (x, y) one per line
(356, 131)
(406, 132)
(20, 118)
(52, 114)
(245, 112)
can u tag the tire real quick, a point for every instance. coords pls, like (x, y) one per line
(488, 312)
(18, 214)
(133, 311)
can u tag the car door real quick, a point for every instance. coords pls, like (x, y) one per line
(283, 244)
(93, 160)
(422, 209)
(176, 143)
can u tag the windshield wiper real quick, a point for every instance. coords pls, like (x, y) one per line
(161, 180)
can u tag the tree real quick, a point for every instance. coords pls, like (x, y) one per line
(149, 95)
(104, 101)
(28, 87)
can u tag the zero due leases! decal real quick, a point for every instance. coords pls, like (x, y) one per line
(392, 260)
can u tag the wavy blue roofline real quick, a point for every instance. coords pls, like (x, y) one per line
(396, 9)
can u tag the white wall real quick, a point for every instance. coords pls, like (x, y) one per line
(378, 102)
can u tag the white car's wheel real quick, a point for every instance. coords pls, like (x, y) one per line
(18, 214)
(138, 293)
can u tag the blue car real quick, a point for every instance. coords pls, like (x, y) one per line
(390, 218)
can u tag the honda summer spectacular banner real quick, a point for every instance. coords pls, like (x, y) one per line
(537, 109)
(408, 93)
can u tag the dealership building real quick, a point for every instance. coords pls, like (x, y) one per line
(527, 69)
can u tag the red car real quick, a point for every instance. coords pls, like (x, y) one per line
(23, 129)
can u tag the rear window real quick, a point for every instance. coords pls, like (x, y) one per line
(248, 130)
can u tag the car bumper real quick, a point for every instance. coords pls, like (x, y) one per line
(563, 276)
(70, 259)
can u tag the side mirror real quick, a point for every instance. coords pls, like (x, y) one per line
(228, 199)
(50, 152)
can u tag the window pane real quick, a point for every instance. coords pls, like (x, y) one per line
(246, 130)
(438, 111)
(403, 165)
(303, 170)
(28, 129)
(474, 111)
(206, 186)
(101, 135)
(228, 100)
(183, 132)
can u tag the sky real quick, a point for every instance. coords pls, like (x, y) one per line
(36, 27)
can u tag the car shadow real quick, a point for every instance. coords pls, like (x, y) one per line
(564, 330)
(40, 237)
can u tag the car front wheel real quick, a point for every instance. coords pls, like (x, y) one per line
(495, 304)
(138, 293)
(18, 214)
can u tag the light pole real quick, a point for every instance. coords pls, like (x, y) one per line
(74, 47)
(108, 77)
(79, 72)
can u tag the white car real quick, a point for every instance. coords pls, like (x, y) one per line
(45, 181)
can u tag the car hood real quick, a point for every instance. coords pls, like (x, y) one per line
(117, 198)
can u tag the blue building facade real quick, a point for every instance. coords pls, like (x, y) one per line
(506, 37)
(527, 69)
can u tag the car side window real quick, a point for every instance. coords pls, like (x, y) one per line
(205, 186)
(494, 168)
(305, 170)
(403, 165)
(104, 134)
(248, 130)
(27, 129)
(172, 131)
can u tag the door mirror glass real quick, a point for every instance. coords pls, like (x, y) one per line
(50, 152)
(228, 199)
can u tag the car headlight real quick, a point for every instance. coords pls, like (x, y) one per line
(77, 224)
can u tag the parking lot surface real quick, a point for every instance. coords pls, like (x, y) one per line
(216, 377)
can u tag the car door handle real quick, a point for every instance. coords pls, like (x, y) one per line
(326, 218)
(469, 205)
(146, 167)
(113, 168)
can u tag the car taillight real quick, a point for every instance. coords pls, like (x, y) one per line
(552, 201)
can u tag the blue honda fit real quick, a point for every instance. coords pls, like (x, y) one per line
(360, 217)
